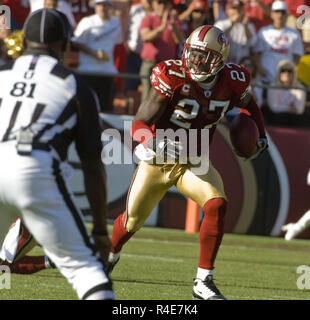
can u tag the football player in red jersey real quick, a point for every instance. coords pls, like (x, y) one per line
(192, 93)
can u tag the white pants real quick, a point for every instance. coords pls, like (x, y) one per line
(33, 187)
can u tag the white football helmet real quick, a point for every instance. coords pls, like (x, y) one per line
(205, 52)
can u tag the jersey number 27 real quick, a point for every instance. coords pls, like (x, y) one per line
(182, 116)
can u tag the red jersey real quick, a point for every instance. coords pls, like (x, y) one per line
(256, 14)
(80, 9)
(19, 10)
(191, 106)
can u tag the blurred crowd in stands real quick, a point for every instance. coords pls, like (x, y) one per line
(116, 43)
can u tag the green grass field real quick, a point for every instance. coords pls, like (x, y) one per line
(160, 264)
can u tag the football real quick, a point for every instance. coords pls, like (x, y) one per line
(244, 135)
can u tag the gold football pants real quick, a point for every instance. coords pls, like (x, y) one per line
(151, 182)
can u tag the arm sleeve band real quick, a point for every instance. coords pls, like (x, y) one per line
(141, 132)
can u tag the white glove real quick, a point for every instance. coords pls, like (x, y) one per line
(169, 149)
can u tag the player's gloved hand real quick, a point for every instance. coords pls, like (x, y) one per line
(262, 145)
(169, 149)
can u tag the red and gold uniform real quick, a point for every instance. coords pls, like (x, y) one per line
(184, 99)
(190, 105)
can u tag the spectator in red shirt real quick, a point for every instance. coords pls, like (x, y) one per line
(293, 15)
(19, 12)
(81, 9)
(160, 33)
(258, 11)
(292, 6)
(194, 16)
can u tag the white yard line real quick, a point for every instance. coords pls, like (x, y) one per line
(136, 256)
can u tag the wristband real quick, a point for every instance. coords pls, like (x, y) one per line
(141, 132)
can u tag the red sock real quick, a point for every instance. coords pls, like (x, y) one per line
(211, 231)
(28, 265)
(119, 235)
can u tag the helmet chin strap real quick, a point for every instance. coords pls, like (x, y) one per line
(200, 77)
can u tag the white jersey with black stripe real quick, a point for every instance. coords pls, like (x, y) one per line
(57, 107)
(40, 93)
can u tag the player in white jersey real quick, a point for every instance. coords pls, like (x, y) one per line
(44, 108)
(292, 230)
